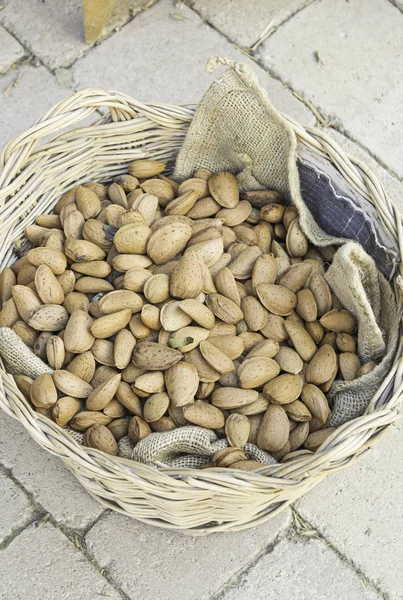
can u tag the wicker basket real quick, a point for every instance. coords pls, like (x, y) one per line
(36, 168)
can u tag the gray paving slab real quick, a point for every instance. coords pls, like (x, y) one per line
(15, 508)
(11, 50)
(42, 564)
(25, 94)
(300, 570)
(244, 22)
(347, 58)
(53, 31)
(393, 187)
(360, 512)
(151, 563)
(45, 476)
(159, 58)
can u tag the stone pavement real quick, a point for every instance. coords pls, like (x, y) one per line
(339, 63)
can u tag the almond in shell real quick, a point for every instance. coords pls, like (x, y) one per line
(350, 364)
(223, 187)
(224, 308)
(82, 251)
(83, 365)
(103, 393)
(54, 259)
(85, 419)
(187, 278)
(278, 299)
(181, 382)
(165, 243)
(257, 371)
(231, 397)
(55, 352)
(43, 392)
(106, 326)
(204, 415)
(273, 430)
(100, 438)
(77, 335)
(316, 402)
(339, 321)
(65, 409)
(216, 358)
(322, 294)
(283, 389)
(322, 365)
(49, 317)
(156, 406)
(302, 341)
(289, 360)
(155, 357)
(47, 286)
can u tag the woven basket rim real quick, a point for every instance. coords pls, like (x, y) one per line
(163, 127)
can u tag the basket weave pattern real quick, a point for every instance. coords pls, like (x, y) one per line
(53, 156)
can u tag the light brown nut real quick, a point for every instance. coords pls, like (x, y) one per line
(65, 409)
(43, 392)
(322, 294)
(256, 371)
(315, 330)
(181, 382)
(231, 345)
(283, 389)
(55, 352)
(264, 270)
(223, 187)
(295, 276)
(119, 428)
(204, 415)
(233, 217)
(289, 360)
(82, 251)
(47, 286)
(49, 317)
(345, 342)
(187, 278)
(77, 336)
(366, 368)
(216, 358)
(224, 308)
(322, 365)
(155, 357)
(297, 411)
(316, 401)
(278, 299)
(350, 364)
(145, 168)
(231, 397)
(228, 457)
(302, 341)
(103, 393)
(298, 435)
(242, 265)
(272, 213)
(100, 438)
(54, 259)
(237, 430)
(156, 406)
(296, 241)
(306, 305)
(123, 348)
(273, 430)
(339, 321)
(129, 399)
(106, 326)
(71, 385)
(83, 365)
(165, 243)
(85, 419)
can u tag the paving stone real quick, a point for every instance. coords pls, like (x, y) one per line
(11, 50)
(25, 94)
(360, 512)
(54, 31)
(45, 476)
(148, 562)
(15, 509)
(358, 79)
(300, 570)
(244, 22)
(42, 564)
(143, 61)
(393, 187)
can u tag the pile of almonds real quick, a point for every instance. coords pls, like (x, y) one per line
(160, 305)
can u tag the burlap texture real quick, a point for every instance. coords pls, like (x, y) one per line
(188, 447)
(18, 357)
